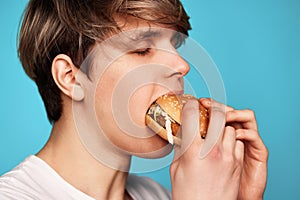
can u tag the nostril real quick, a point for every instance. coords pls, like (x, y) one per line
(179, 71)
(179, 74)
(177, 63)
(183, 69)
(182, 66)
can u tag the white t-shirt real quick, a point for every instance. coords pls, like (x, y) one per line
(35, 179)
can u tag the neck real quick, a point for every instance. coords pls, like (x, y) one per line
(65, 153)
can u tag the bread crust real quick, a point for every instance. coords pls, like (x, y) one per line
(173, 104)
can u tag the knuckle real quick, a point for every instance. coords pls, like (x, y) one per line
(230, 108)
(250, 113)
(234, 112)
(215, 153)
(228, 159)
(266, 153)
(239, 166)
(253, 133)
(228, 114)
(241, 131)
(229, 129)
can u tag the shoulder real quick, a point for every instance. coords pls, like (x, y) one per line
(34, 179)
(13, 184)
(140, 187)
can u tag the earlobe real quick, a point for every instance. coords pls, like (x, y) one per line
(78, 93)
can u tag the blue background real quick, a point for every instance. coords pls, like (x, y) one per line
(255, 44)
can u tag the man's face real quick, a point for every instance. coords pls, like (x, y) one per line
(133, 69)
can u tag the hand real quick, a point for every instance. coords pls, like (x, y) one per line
(217, 176)
(254, 174)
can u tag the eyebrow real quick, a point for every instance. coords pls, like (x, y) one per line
(142, 35)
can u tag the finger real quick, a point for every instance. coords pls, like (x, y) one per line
(250, 136)
(229, 140)
(245, 117)
(214, 132)
(235, 125)
(191, 139)
(208, 103)
(239, 151)
(190, 122)
(254, 141)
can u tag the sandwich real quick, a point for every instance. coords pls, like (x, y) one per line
(164, 117)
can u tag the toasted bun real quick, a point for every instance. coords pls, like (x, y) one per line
(203, 120)
(172, 105)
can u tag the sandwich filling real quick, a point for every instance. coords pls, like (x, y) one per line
(164, 120)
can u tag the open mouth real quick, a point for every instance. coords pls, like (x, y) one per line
(163, 116)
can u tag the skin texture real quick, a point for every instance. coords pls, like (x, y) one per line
(218, 176)
(254, 173)
(105, 179)
(236, 168)
(122, 86)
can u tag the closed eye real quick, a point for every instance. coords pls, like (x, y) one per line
(142, 52)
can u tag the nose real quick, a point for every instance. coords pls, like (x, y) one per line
(178, 64)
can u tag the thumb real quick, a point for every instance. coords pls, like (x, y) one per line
(189, 133)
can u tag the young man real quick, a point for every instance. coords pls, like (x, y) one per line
(98, 66)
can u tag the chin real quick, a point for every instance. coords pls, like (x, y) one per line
(155, 148)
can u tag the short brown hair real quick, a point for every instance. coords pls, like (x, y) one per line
(72, 27)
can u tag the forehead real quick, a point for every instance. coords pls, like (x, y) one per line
(130, 22)
(141, 29)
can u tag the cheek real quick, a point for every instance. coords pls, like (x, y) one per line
(140, 101)
(121, 100)
(118, 116)
(135, 142)
(105, 88)
(113, 105)
(103, 99)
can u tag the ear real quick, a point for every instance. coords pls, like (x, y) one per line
(64, 74)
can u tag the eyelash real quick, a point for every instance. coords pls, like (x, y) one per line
(142, 52)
